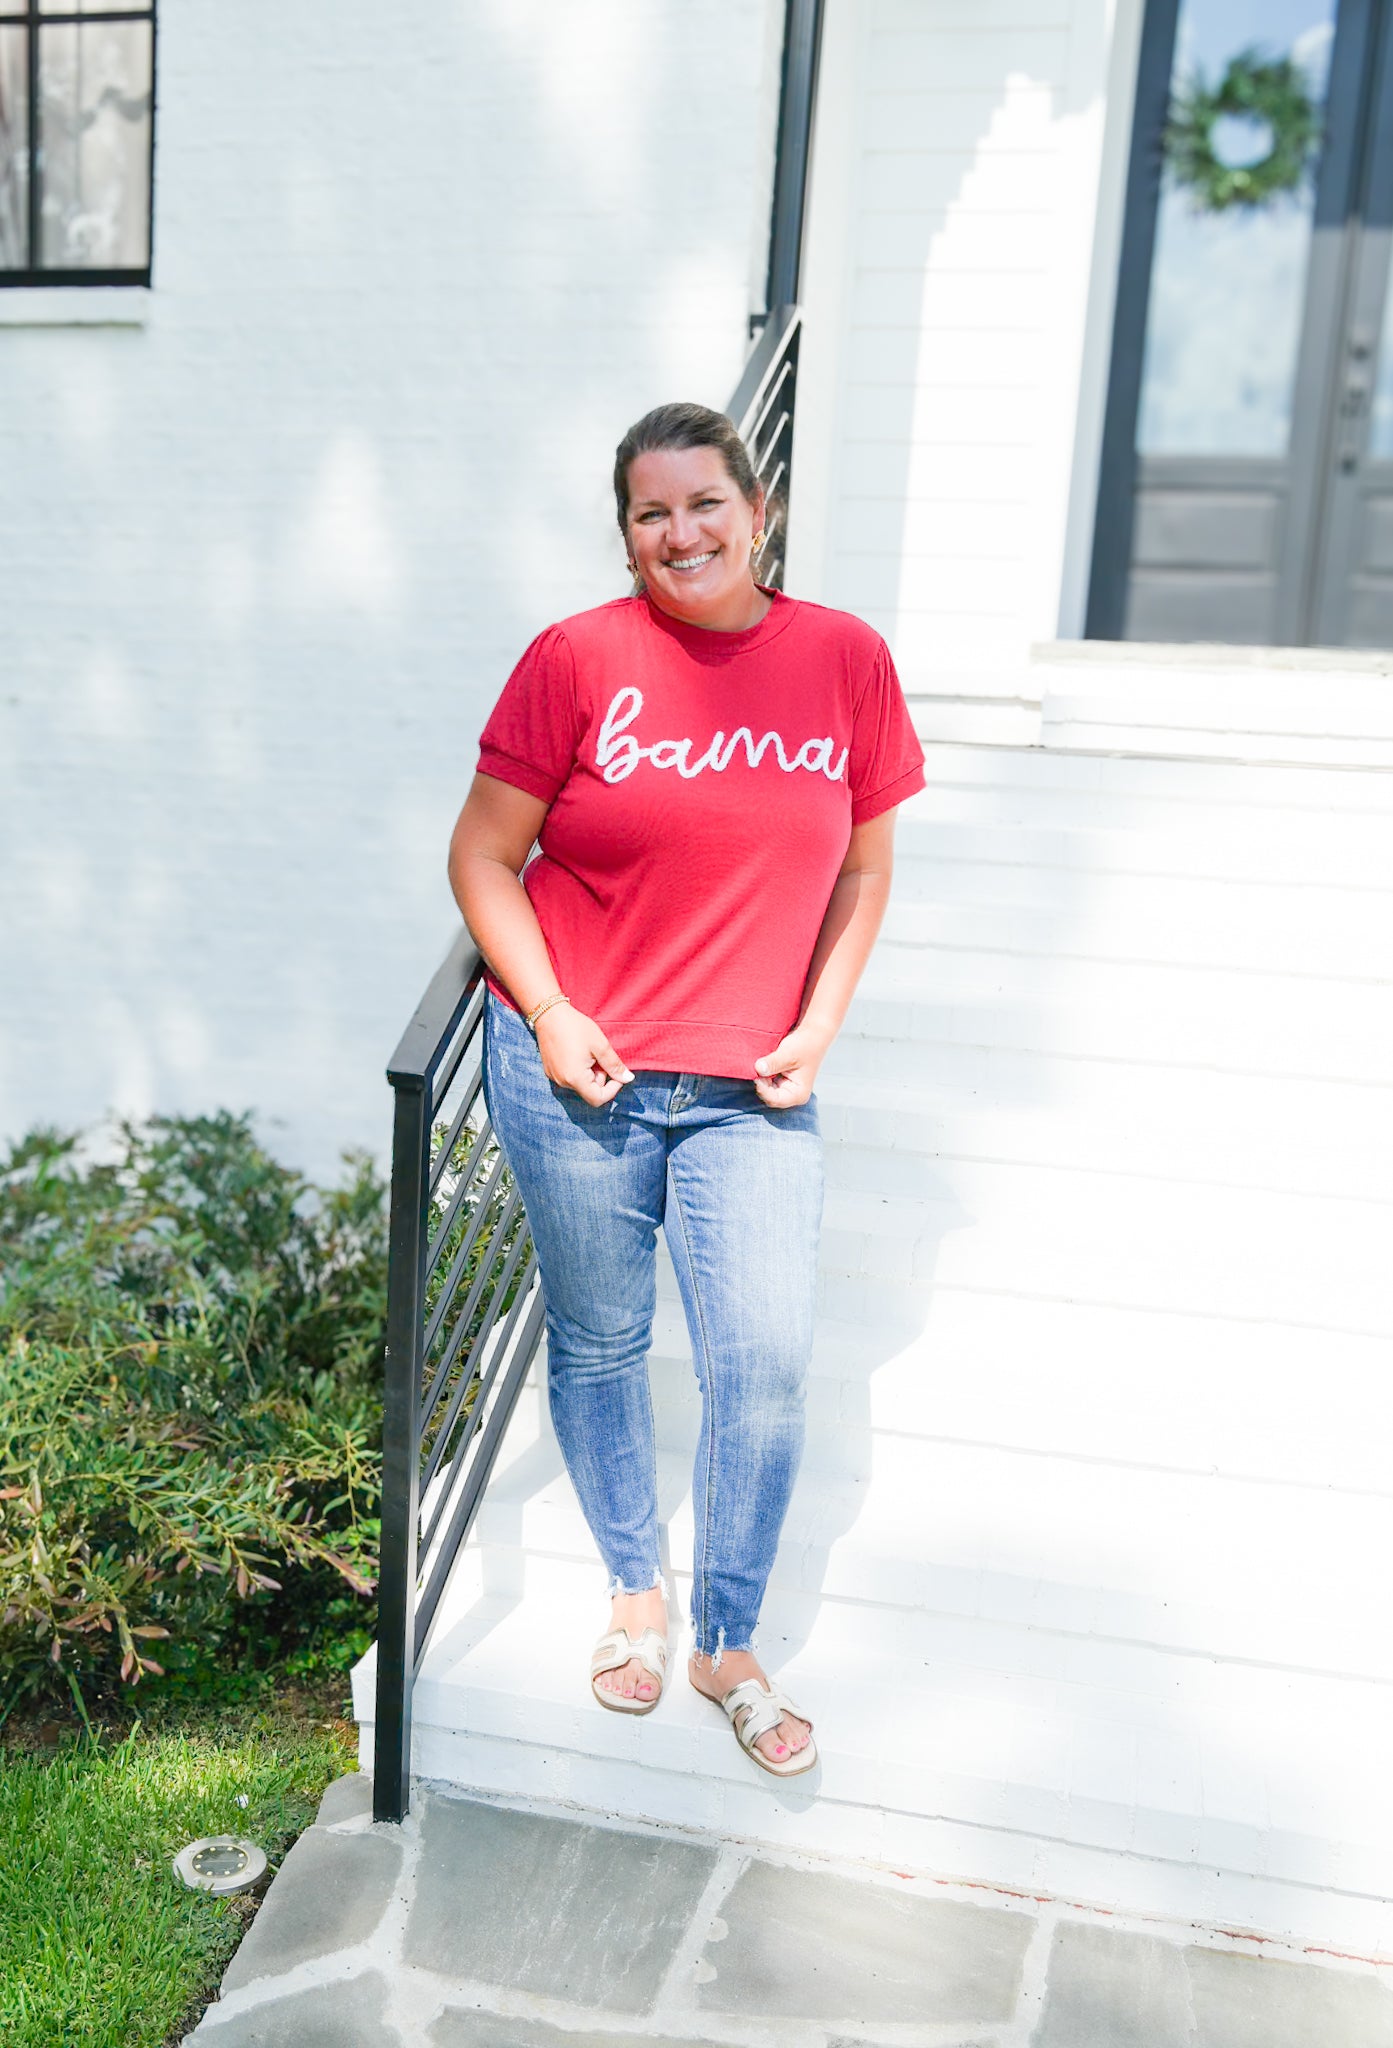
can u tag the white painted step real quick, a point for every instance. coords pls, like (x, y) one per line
(1188, 1394)
(994, 877)
(1270, 1256)
(1178, 807)
(1156, 781)
(1263, 1116)
(1067, 1381)
(1025, 1754)
(1275, 1574)
(883, 1096)
(1340, 933)
(1272, 848)
(1150, 785)
(864, 1118)
(1280, 1024)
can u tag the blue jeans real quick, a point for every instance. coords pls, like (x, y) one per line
(738, 1190)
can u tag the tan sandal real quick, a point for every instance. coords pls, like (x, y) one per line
(617, 1648)
(753, 1709)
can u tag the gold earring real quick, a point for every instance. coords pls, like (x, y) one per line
(758, 542)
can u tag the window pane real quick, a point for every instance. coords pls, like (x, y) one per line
(95, 83)
(1381, 428)
(1229, 274)
(14, 149)
(89, 6)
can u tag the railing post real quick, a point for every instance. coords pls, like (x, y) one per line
(793, 151)
(401, 1451)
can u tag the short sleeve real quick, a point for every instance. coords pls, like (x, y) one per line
(887, 755)
(533, 732)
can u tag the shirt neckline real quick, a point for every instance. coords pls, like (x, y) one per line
(717, 646)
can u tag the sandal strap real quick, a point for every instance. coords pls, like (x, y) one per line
(754, 1709)
(618, 1648)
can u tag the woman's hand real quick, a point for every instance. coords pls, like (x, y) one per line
(786, 1076)
(577, 1055)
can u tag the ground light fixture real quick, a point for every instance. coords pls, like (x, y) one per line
(220, 1864)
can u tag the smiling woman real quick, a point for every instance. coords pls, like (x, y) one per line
(664, 983)
(692, 514)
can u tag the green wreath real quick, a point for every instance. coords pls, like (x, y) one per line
(1272, 90)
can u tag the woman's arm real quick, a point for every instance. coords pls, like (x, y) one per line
(786, 1076)
(488, 848)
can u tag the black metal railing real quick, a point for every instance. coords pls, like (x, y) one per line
(762, 409)
(464, 1319)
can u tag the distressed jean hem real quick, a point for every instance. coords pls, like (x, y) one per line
(617, 1588)
(705, 1647)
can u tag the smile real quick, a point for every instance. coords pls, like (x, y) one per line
(692, 561)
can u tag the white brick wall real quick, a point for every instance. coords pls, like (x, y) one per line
(955, 295)
(269, 557)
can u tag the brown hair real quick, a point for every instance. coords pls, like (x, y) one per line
(682, 425)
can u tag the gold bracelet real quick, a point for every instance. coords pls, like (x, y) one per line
(546, 1003)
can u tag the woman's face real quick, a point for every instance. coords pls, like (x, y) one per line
(690, 530)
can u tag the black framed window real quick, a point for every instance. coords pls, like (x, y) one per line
(77, 137)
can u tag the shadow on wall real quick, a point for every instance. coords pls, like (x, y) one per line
(276, 552)
(948, 272)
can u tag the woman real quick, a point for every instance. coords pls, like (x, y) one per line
(710, 769)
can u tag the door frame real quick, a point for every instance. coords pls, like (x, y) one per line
(1349, 104)
(1350, 384)
(1117, 465)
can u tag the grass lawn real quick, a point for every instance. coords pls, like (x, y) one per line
(101, 1945)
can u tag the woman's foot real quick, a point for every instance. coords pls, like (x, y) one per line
(778, 1744)
(635, 1612)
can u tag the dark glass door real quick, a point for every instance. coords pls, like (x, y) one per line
(1246, 491)
(1349, 600)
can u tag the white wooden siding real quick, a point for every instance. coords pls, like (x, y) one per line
(952, 238)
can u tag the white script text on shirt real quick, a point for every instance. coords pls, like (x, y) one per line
(618, 753)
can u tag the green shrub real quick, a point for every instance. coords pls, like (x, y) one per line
(190, 1411)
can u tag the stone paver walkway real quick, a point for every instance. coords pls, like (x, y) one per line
(476, 1926)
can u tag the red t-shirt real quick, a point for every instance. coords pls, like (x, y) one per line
(702, 787)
